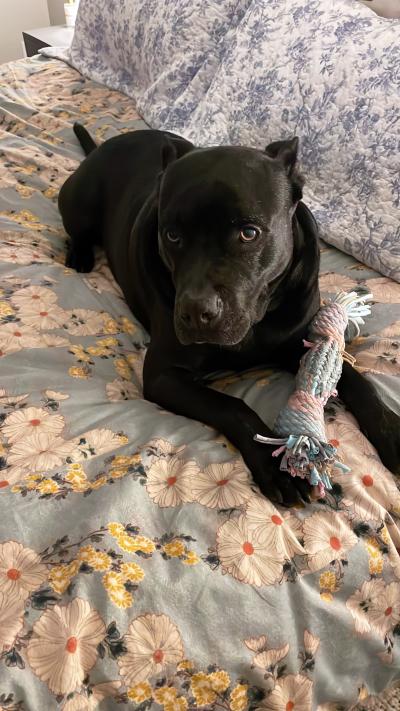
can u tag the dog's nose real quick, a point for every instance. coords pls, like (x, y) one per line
(201, 312)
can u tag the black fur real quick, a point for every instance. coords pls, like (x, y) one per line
(177, 224)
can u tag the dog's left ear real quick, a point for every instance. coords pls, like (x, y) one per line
(173, 149)
(286, 153)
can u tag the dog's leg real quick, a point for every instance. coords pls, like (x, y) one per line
(176, 390)
(80, 253)
(377, 421)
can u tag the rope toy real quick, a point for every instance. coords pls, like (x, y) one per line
(300, 424)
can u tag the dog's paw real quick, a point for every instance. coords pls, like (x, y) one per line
(80, 258)
(274, 484)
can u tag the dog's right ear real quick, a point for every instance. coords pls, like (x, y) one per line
(174, 148)
(285, 152)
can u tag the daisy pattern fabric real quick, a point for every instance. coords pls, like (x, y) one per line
(249, 72)
(139, 568)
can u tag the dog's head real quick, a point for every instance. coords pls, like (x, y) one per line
(225, 235)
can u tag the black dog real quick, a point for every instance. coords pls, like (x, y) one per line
(218, 258)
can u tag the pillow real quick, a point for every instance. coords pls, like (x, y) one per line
(250, 72)
(153, 50)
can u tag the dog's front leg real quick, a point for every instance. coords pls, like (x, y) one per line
(376, 420)
(177, 390)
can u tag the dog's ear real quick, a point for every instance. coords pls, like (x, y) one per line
(174, 148)
(286, 153)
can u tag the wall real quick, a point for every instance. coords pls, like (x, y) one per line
(56, 12)
(15, 16)
(386, 8)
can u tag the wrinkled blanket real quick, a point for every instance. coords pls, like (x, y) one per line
(250, 71)
(138, 568)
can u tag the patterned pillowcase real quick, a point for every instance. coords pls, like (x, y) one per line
(249, 71)
(150, 48)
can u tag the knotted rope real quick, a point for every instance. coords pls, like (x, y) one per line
(300, 424)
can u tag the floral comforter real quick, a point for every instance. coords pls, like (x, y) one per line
(138, 568)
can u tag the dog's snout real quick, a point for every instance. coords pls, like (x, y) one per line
(199, 313)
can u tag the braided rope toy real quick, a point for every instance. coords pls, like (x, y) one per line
(300, 424)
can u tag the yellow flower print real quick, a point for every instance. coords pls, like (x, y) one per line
(202, 689)
(25, 217)
(77, 467)
(5, 309)
(326, 597)
(238, 698)
(121, 597)
(80, 486)
(220, 681)
(85, 553)
(118, 473)
(50, 192)
(178, 704)
(327, 581)
(113, 581)
(132, 572)
(80, 353)
(165, 694)
(100, 561)
(61, 575)
(31, 481)
(107, 342)
(122, 368)
(73, 567)
(47, 486)
(185, 665)
(131, 544)
(110, 326)
(375, 566)
(191, 558)
(24, 190)
(98, 483)
(140, 692)
(132, 359)
(372, 547)
(115, 528)
(385, 535)
(60, 586)
(174, 549)
(127, 326)
(120, 461)
(98, 351)
(77, 477)
(123, 439)
(375, 557)
(76, 372)
(27, 169)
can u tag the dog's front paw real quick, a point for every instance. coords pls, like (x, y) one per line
(276, 485)
(80, 258)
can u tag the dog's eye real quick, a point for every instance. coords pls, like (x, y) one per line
(249, 233)
(172, 237)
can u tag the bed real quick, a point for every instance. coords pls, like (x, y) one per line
(138, 568)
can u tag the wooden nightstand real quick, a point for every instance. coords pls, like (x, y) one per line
(54, 36)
